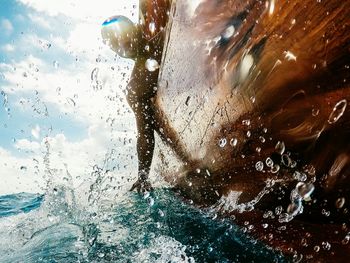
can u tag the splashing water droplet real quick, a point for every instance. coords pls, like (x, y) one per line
(294, 208)
(278, 210)
(304, 189)
(346, 239)
(246, 122)
(338, 111)
(339, 203)
(280, 147)
(326, 245)
(150, 201)
(315, 112)
(222, 142)
(161, 213)
(71, 102)
(259, 166)
(55, 64)
(299, 176)
(286, 161)
(152, 27)
(275, 168)
(228, 32)
(285, 218)
(151, 64)
(94, 79)
(233, 142)
(269, 162)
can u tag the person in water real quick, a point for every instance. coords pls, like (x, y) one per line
(143, 43)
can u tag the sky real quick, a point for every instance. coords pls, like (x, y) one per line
(61, 93)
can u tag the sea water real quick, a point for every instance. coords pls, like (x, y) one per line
(159, 227)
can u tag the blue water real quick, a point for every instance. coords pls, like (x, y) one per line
(135, 230)
(18, 203)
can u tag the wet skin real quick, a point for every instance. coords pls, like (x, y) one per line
(148, 44)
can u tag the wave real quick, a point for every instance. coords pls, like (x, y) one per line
(155, 228)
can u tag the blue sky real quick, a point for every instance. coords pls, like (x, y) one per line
(48, 50)
(17, 123)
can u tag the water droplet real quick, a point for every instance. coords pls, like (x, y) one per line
(293, 164)
(222, 142)
(299, 176)
(55, 64)
(294, 208)
(233, 142)
(286, 161)
(316, 248)
(325, 212)
(259, 166)
(245, 66)
(262, 139)
(161, 213)
(151, 64)
(278, 210)
(228, 32)
(269, 162)
(289, 56)
(71, 102)
(339, 203)
(315, 112)
(265, 225)
(284, 218)
(51, 218)
(94, 79)
(58, 90)
(326, 245)
(338, 111)
(346, 239)
(23, 168)
(207, 171)
(304, 189)
(249, 134)
(152, 27)
(246, 122)
(280, 147)
(275, 168)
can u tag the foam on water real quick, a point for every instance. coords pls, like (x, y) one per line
(126, 229)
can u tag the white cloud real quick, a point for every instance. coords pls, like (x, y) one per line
(26, 145)
(6, 26)
(40, 20)
(83, 10)
(8, 48)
